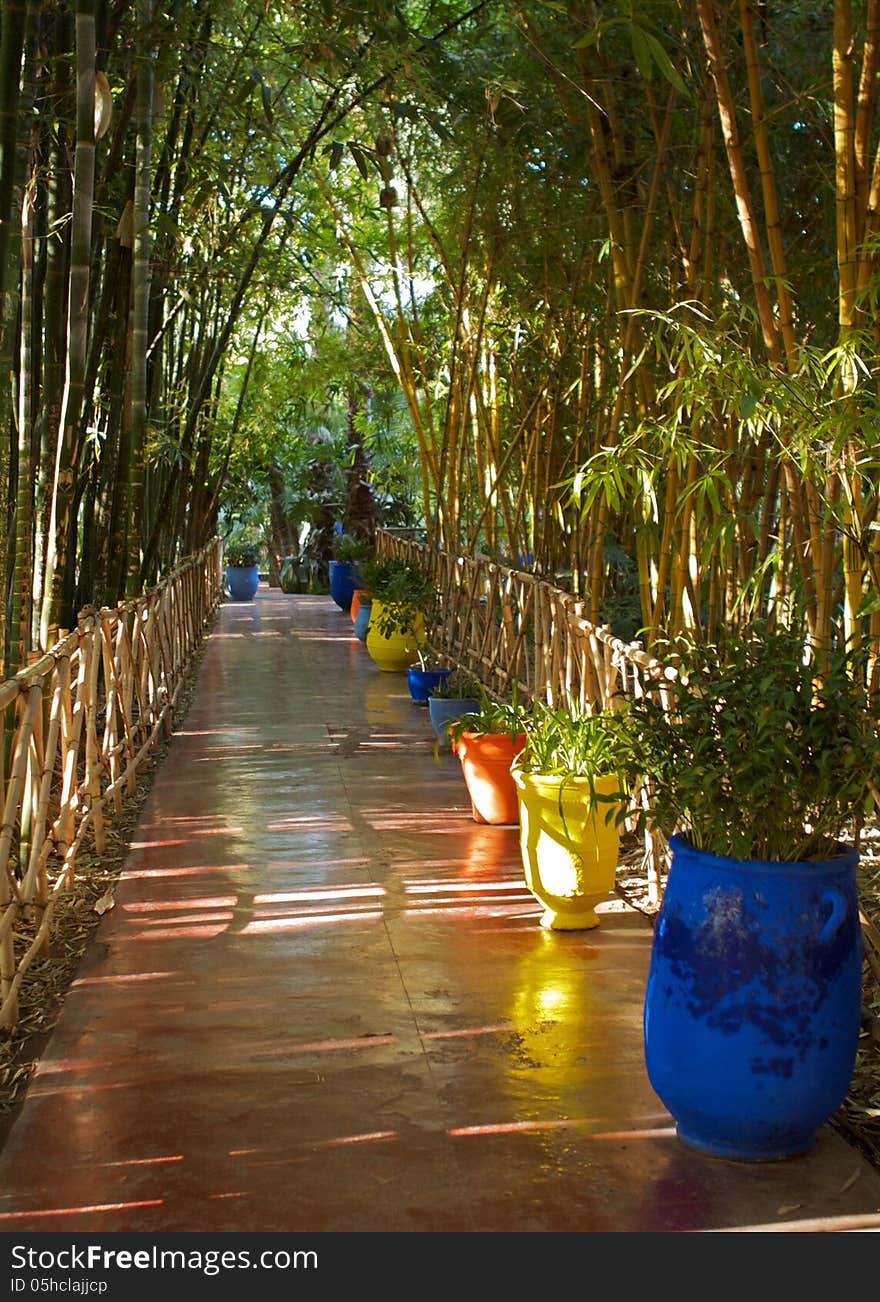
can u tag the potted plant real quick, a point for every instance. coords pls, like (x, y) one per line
(363, 613)
(348, 553)
(456, 695)
(242, 570)
(402, 596)
(487, 741)
(572, 786)
(424, 677)
(758, 759)
(358, 594)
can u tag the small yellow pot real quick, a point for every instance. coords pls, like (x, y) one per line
(569, 855)
(394, 653)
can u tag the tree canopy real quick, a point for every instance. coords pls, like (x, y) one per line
(589, 287)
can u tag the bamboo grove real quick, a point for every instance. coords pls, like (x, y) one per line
(618, 259)
(659, 374)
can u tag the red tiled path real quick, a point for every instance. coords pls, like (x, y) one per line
(323, 1001)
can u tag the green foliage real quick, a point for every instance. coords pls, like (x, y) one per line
(404, 591)
(492, 716)
(568, 744)
(758, 755)
(242, 555)
(348, 548)
(291, 577)
(459, 686)
(561, 742)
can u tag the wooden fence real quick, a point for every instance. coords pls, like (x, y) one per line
(75, 726)
(512, 629)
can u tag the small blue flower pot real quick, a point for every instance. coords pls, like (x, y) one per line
(423, 681)
(444, 710)
(362, 620)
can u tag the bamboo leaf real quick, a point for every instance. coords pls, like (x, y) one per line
(664, 63)
(267, 102)
(641, 53)
(360, 161)
(868, 605)
(584, 42)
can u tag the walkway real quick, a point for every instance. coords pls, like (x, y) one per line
(323, 1001)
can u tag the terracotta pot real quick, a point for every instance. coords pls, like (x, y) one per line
(356, 602)
(485, 764)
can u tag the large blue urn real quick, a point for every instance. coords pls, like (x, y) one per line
(752, 1007)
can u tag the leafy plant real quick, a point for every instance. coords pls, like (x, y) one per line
(492, 716)
(403, 590)
(242, 555)
(759, 753)
(561, 742)
(566, 744)
(459, 686)
(427, 659)
(349, 548)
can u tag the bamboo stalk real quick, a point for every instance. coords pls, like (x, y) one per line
(93, 765)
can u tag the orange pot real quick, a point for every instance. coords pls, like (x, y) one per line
(485, 763)
(355, 602)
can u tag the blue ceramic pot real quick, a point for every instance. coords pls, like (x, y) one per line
(443, 710)
(752, 1007)
(242, 581)
(423, 681)
(362, 620)
(343, 580)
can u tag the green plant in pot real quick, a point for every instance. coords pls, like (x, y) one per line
(402, 598)
(349, 549)
(426, 675)
(758, 759)
(487, 741)
(572, 780)
(456, 695)
(349, 552)
(242, 556)
(242, 570)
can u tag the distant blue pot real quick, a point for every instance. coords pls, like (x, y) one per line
(423, 681)
(443, 710)
(343, 581)
(242, 581)
(362, 620)
(753, 1001)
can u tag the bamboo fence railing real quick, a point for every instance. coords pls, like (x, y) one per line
(75, 726)
(514, 630)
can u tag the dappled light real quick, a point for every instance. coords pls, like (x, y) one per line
(322, 975)
(364, 364)
(49, 1213)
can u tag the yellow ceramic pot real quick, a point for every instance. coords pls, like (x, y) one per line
(569, 852)
(394, 652)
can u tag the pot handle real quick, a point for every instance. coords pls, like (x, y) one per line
(834, 896)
